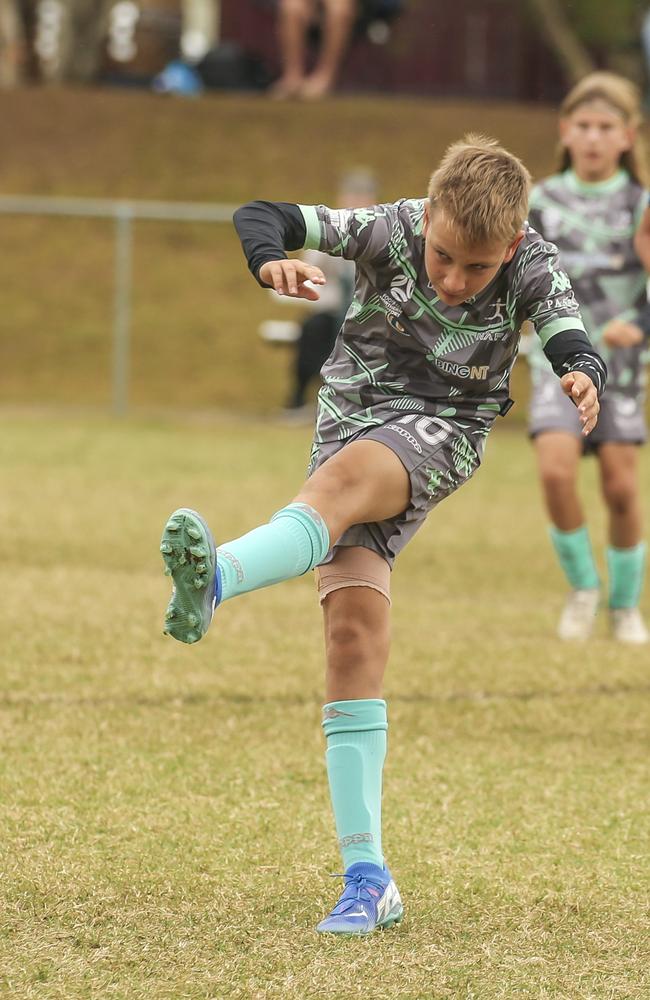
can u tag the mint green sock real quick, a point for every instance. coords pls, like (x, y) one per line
(295, 540)
(356, 748)
(573, 549)
(626, 571)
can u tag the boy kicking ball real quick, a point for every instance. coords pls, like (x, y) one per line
(418, 375)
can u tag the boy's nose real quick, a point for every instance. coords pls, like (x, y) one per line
(454, 283)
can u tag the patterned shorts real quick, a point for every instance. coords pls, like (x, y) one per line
(439, 454)
(621, 418)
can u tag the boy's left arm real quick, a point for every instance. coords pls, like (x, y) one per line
(582, 373)
(549, 302)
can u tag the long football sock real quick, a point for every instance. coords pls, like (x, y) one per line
(626, 571)
(294, 541)
(573, 549)
(356, 749)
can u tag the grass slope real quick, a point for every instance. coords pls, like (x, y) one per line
(165, 824)
(196, 309)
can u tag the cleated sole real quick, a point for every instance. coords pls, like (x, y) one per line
(190, 558)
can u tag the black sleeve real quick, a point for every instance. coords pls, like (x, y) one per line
(572, 351)
(267, 229)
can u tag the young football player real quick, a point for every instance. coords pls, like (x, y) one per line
(416, 379)
(590, 210)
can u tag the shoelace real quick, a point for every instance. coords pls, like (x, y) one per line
(361, 882)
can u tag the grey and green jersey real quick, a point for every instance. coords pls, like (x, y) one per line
(593, 226)
(399, 343)
(420, 377)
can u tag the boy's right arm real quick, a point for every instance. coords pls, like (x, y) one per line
(365, 235)
(267, 230)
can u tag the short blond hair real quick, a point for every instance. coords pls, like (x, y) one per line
(624, 98)
(482, 189)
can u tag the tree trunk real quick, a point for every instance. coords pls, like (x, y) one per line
(561, 38)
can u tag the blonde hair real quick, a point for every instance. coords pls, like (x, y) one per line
(624, 98)
(482, 189)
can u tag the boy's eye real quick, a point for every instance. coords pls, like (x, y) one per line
(478, 267)
(442, 256)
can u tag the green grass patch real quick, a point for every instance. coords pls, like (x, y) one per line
(165, 824)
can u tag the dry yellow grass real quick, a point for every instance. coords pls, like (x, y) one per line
(165, 824)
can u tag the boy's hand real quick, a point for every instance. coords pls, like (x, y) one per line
(288, 277)
(582, 391)
(618, 333)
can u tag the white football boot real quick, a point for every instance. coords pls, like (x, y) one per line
(628, 626)
(579, 615)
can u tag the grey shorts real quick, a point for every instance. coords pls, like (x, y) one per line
(439, 454)
(621, 418)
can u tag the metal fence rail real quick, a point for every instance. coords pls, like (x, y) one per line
(123, 214)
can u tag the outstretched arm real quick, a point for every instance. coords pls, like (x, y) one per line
(581, 370)
(267, 230)
(582, 392)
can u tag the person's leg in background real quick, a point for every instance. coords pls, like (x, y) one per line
(558, 456)
(619, 471)
(294, 18)
(338, 21)
(313, 347)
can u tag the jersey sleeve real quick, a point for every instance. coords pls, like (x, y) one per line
(268, 229)
(544, 292)
(360, 234)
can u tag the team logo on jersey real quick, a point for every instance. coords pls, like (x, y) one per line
(395, 324)
(390, 305)
(497, 316)
(460, 371)
(401, 287)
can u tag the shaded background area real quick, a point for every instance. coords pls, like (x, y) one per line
(196, 308)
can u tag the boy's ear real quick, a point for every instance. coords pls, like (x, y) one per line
(510, 252)
(427, 218)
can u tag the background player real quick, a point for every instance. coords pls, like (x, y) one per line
(590, 210)
(417, 377)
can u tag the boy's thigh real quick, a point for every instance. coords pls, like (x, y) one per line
(438, 454)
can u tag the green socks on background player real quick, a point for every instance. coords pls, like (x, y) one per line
(626, 566)
(294, 541)
(356, 749)
(573, 549)
(626, 571)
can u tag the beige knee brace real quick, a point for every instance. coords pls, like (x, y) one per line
(354, 566)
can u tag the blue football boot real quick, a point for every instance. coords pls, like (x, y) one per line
(370, 900)
(190, 558)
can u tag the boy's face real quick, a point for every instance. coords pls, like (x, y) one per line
(457, 271)
(596, 137)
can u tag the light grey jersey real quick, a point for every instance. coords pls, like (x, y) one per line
(593, 226)
(401, 346)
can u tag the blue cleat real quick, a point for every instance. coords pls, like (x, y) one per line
(370, 900)
(190, 558)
